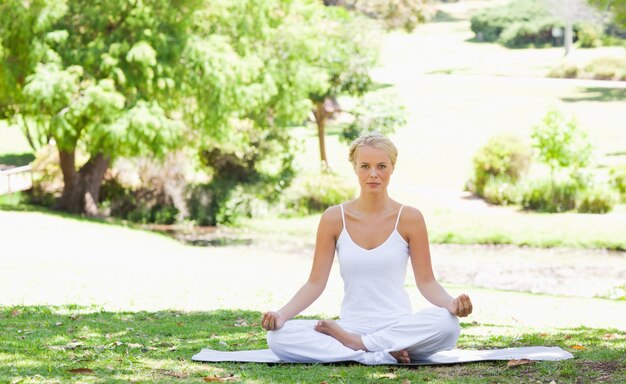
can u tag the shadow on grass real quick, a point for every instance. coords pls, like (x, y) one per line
(597, 94)
(47, 342)
(16, 159)
(18, 202)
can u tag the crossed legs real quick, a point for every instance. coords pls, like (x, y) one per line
(412, 336)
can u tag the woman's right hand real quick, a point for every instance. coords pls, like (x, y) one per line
(273, 320)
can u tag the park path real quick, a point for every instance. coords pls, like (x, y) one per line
(49, 260)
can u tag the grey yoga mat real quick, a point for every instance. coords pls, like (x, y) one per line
(454, 356)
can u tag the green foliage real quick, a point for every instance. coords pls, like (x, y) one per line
(93, 82)
(406, 14)
(607, 68)
(528, 33)
(600, 68)
(617, 178)
(524, 16)
(503, 157)
(588, 35)
(376, 112)
(561, 143)
(618, 9)
(247, 168)
(312, 193)
(596, 199)
(155, 197)
(548, 195)
(126, 79)
(258, 60)
(528, 23)
(566, 70)
(501, 191)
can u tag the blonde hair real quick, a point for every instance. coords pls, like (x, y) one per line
(374, 140)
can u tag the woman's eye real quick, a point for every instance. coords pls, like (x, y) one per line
(382, 166)
(364, 166)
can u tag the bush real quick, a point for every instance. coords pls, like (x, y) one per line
(546, 195)
(566, 71)
(601, 68)
(146, 191)
(531, 33)
(562, 144)
(223, 202)
(504, 157)
(617, 178)
(311, 193)
(596, 200)
(588, 36)
(518, 16)
(607, 68)
(500, 191)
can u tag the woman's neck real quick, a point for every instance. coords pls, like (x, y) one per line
(369, 203)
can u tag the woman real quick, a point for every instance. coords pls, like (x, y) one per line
(373, 236)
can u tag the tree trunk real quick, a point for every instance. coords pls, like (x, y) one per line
(568, 41)
(81, 189)
(321, 116)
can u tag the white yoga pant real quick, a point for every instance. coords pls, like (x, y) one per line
(421, 334)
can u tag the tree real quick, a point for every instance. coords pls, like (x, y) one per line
(561, 144)
(131, 78)
(393, 14)
(617, 7)
(349, 53)
(100, 79)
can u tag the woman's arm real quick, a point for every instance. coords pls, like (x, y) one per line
(327, 233)
(428, 286)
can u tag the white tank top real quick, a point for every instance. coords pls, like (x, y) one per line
(373, 279)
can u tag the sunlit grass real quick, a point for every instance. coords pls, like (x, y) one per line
(157, 347)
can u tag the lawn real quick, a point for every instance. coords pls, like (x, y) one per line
(89, 345)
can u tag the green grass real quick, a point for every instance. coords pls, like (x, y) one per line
(523, 229)
(43, 344)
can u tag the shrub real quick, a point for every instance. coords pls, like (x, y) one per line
(561, 143)
(607, 68)
(546, 195)
(601, 68)
(315, 192)
(588, 36)
(567, 71)
(248, 170)
(617, 178)
(522, 34)
(519, 15)
(596, 200)
(146, 191)
(502, 157)
(500, 191)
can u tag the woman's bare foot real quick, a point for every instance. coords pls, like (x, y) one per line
(350, 340)
(402, 356)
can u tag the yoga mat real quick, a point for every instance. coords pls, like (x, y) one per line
(454, 356)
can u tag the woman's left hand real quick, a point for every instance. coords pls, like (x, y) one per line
(461, 306)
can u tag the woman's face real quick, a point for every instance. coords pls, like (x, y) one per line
(373, 168)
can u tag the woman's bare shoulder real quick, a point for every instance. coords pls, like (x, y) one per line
(331, 218)
(411, 216)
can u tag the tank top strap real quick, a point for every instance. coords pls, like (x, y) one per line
(398, 219)
(343, 218)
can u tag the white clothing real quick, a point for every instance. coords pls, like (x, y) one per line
(373, 279)
(375, 306)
